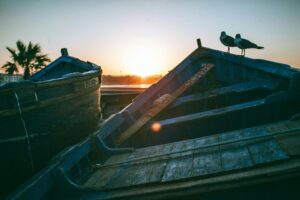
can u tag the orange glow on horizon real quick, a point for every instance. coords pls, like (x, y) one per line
(144, 56)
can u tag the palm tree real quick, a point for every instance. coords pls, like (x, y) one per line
(30, 58)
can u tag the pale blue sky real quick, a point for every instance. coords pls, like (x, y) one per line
(129, 36)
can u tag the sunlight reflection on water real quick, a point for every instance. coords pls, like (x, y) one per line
(127, 86)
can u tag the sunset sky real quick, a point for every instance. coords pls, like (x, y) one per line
(149, 37)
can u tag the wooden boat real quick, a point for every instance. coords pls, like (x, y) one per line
(116, 97)
(39, 118)
(216, 126)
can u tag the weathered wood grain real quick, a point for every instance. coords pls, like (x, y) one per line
(290, 143)
(236, 157)
(161, 103)
(178, 169)
(201, 157)
(266, 151)
(204, 164)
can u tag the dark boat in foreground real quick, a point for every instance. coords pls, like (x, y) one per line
(216, 126)
(40, 117)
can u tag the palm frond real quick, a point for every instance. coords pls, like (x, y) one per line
(13, 53)
(36, 48)
(21, 46)
(22, 53)
(28, 57)
(33, 52)
(40, 62)
(10, 68)
(43, 57)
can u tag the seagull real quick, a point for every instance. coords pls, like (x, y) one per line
(227, 40)
(245, 44)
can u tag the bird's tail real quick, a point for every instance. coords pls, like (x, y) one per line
(259, 47)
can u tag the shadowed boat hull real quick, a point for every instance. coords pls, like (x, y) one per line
(39, 119)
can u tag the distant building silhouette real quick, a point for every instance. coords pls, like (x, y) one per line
(5, 78)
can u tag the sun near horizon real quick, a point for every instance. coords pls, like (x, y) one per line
(144, 60)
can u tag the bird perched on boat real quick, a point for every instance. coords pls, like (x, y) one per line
(245, 44)
(227, 40)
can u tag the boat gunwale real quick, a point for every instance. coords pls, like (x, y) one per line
(15, 86)
(282, 70)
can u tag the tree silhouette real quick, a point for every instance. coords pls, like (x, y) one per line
(30, 58)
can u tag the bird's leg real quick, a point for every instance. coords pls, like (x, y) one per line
(244, 52)
(228, 49)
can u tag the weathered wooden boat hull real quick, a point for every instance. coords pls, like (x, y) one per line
(216, 124)
(252, 161)
(115, 99)
(41, 119)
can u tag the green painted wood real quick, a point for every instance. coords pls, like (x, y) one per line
(202, 157)
(138, 174)
(204, 164)
(290, 143)
(267, 151)
(178, 168)
(101, 177)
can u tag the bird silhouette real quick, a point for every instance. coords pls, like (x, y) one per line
(227, 40)
(244, 44)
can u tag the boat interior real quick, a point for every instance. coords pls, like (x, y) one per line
(235, 94)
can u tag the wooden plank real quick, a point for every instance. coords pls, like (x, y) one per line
(240, 87)
(192, 162)
(204, 164)
(138, 174)
(235, 157)
(290, 143)
(189, 144)
(276, 128)
(123, 173)
(50, 102)
(230, 136)
(162, 102)
(178, 169)
(205, 141)
(125, 177)
(167, 148)
(145, 152)
(211, 113)
(101, 177)
(150, 173)
(153, 151)
(266, 151)
(201, 145)
(293, 124)
(118, 158)
(258, 131)
(177, 146)
(204, 185)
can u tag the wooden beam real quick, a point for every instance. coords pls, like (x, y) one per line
(162, 102)
(211, 113)
(236, 88)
